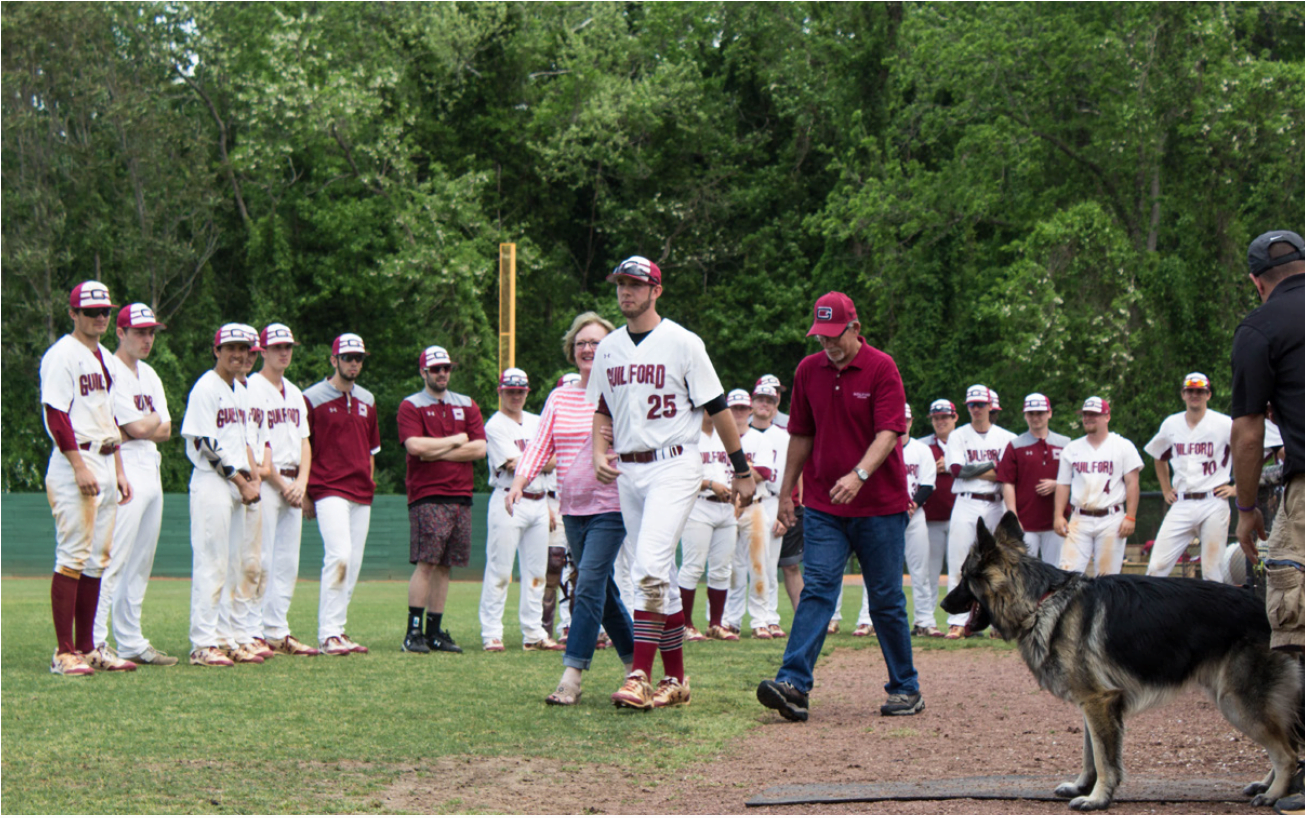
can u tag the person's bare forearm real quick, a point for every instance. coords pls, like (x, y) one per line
(1248, 442)
(878, 451)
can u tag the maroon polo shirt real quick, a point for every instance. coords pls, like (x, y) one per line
(1026, 460)
(938, 506)
(344, 437)
(843, 410)
(421, 415)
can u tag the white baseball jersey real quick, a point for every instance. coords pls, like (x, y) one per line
(1096, 476)
(1200, 458)
(655, 391)
(506, 439)
(215, 422)
(285, 419)
(716, 466)
(256, 429)
(1273, 437)
(967, 446)
(760, 453)
(73, 380)
(920, 465)
(779, 440)
(136, 394)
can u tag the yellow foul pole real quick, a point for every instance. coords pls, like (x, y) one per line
(507, 307)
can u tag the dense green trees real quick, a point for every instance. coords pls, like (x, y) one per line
(1051, 197)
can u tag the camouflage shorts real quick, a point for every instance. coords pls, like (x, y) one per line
(440, 534)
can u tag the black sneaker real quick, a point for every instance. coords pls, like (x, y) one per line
(902, 704)
(784, 697)
(414, 642)
(442, 641)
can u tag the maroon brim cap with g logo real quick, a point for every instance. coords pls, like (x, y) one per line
(832, 314)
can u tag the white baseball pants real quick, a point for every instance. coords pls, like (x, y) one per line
(343, 524)
(753, 570)
(1206, 519)
(656, 499)
(83, 526)
(961, 536)
(1045, 545)
(1094, 546)
(770, 510)
(623, 570)
(525, 534)
(241, 616)
(283, 527)
(708, 542)
(217, 532)
(135, 539)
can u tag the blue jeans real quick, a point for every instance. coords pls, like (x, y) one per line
(595, 541)
(878, 543)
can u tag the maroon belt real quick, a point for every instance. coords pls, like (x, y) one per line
(107, 448)
(651, 456)
(1196, 495)
(292, 472)
(532, 495)
(1101, 512)
(988, 498)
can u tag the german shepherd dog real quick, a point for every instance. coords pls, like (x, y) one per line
(1118, 645)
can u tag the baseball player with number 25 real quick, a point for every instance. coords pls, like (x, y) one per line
(652, 383)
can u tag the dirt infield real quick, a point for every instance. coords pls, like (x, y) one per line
(984, 716)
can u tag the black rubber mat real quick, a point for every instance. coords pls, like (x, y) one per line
(994, 788)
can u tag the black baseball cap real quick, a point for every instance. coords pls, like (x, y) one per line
(1258, 253)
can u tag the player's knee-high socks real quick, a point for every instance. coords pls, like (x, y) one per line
(648, 636)
(63, 607)
(672, 646)
(88, 600)
(687, 604)
(716, 605)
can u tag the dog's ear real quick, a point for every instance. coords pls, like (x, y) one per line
(1010, 526)
(985, 546)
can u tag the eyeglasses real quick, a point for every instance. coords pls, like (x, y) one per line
(353, 357)
(97, 312)
(438, 368)
(587, 344)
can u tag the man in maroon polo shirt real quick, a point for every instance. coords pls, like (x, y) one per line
(345, 439)
(1028, 473)
(845, 416)
(443, 433)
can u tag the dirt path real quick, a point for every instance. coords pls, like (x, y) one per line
(984, 716)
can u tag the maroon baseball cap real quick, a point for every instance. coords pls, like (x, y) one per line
(138, 316)
(639, 268)
(832, 314)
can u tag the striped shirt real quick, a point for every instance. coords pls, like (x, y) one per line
(566, 430)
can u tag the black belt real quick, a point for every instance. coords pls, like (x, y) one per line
(106, 448)
(988, 498)
(1101, 512)
(651, 456)
(1196, 495)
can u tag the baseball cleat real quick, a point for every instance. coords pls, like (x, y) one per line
(246, 655)
(863, 630)
(153, 656)
(694, 635)
(210, 657)
(927, 630)
(722, 634)
(671, 693)
(290, 646)
(562, 637)
(441, 641)
(103, 658)
(262, 648)
(833, 628)
(761, 633)
(494, 646)
(636, 693)
(70, 664)
(776, 631)
(335, 646)
(544, 644)
(415, 642)
(354, 647)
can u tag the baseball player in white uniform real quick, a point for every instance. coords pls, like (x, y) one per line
(972, 456)
(141, 409)
(938, 507)
(756, 550)
(652, 383)
(1193, 446)
(85, 481)
(708, 541)
(222, 484)
(524, 533)
(765, 420)
(1098, 476)
(286, 463)
(921, 471)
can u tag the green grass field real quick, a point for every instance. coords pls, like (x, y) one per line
(326, 734)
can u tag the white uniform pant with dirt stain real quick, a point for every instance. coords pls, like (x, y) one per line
(623, 570)
(966, 511)
(656, 499)
(241, 617)
(83, 526)
(135, 539)
(343, 524)
(217, 532)
(922, 565)
(770, 510)
(708, 543)
(1208, 520)
(1093, 545)
(752, 570)
(283, 527)
(1045, 545)
(525, 534)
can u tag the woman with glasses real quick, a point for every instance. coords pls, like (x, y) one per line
(591, 511)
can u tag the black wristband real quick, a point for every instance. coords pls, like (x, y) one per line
(740, 463)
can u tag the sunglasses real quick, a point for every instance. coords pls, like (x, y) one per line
(353, 357)
(96, 312)
(435, 370)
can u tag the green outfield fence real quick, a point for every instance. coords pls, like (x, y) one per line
(27, 537)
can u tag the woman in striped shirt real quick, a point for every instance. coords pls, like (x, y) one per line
(591, 511)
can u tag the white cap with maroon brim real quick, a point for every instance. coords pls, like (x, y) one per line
(768, 380)
(979, 393)
(569, 379)
(349, 342)
(89, 295)
(1095, 404)
(138, 316)
(434, 356)
(1037, 402)
(942, 406)
(514, 378)
(232, 334)
(276, 335)
(1196, 380)
(738, 397)
(766, 390)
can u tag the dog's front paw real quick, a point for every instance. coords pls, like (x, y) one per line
(1263, 801)
(1255, 788)
(1068, 790)
(1085, 803)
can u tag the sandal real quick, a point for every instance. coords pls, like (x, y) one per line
(563, 696)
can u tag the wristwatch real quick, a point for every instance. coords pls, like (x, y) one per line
(863, 474)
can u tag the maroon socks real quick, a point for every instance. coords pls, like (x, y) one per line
(63, 606)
